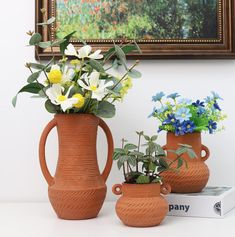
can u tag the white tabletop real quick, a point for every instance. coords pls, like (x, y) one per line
(39, 220)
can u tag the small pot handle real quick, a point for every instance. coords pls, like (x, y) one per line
(165, 189)
(109, 162)
(42, 156)
(117, 189)
(204, 148)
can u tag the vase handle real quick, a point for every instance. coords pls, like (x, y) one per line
(109, 162)
(42, 156)
(165, 189)
(164, 147)
(117, 189)
(204, 148)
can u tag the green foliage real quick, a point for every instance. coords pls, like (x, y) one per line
(105, 110)
(153, 160)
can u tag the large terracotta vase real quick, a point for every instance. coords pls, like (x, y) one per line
(141, 205)
(77, 190)
(194, 178)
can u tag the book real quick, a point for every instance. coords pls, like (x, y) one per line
(212, 202)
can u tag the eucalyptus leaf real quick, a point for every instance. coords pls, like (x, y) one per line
(96, 65)
(134, 73)
(105, 110)
(35, 39)
(51, 108)
(33, 77)
(121, 55)
(51, 20)
(45, 45)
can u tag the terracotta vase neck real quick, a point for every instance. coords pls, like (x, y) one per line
(141, 190)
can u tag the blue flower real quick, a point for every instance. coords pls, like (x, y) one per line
(162, 109)
(173, 96)
(170, 120)
(185, 101)
(198, 103)
(208, 99)
(179, 129)
(188, 126)
(183, 114)
(200, 110)
(216, 96)
(158, 96)
(212, 126)
(216, 106)
(153, 112)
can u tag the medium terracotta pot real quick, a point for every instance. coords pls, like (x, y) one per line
(195, 178)
(141, 205)
(77, 191)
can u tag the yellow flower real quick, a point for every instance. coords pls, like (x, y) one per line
(55, 75)
(126, 85)
(81, 101)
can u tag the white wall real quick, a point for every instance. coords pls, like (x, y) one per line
(20, 128)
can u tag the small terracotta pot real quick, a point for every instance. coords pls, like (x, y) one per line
(141, 205)
(195, 178)
(77, 190)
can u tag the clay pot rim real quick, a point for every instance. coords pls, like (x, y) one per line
(76, 115)
(139, 185)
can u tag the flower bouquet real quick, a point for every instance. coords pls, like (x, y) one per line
(79, 88)
(184, 120)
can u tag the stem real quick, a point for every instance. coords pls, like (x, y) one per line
(123, 166)
(172, 162)
(81, 66)
(137, 160)
(37, 54)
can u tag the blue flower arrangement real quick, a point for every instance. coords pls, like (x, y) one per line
(181, 115)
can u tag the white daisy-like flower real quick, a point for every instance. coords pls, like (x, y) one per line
(84, 52)
(95, 85)
(55, 94)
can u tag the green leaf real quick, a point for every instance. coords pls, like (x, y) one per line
(116, 156)
(180, 163)
(109, 54)
(132, 160)
(119, 150)
(33, 88)
(135, 74)
(37, 66)
(119, 164)
(147, 138)
(121, 55)
(35, 39)
(163, 163)
(129, 48)
(58, 42)
(152, 166)
(51, 108)
(65, 44)
(96, 65)
(130, 146)
(142, 179)
(45, 45)
(105, 110)
(154, 138)
(33, 77)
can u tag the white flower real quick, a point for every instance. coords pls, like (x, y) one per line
(84, 52)
(55, 94)
(68, 74)
(94, 84)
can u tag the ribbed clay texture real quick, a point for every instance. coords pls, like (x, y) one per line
(141, 205)
(77, 191)
(194, 178)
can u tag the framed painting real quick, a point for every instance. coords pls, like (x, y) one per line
(162, 28)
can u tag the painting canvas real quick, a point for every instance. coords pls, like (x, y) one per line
(138, 19)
